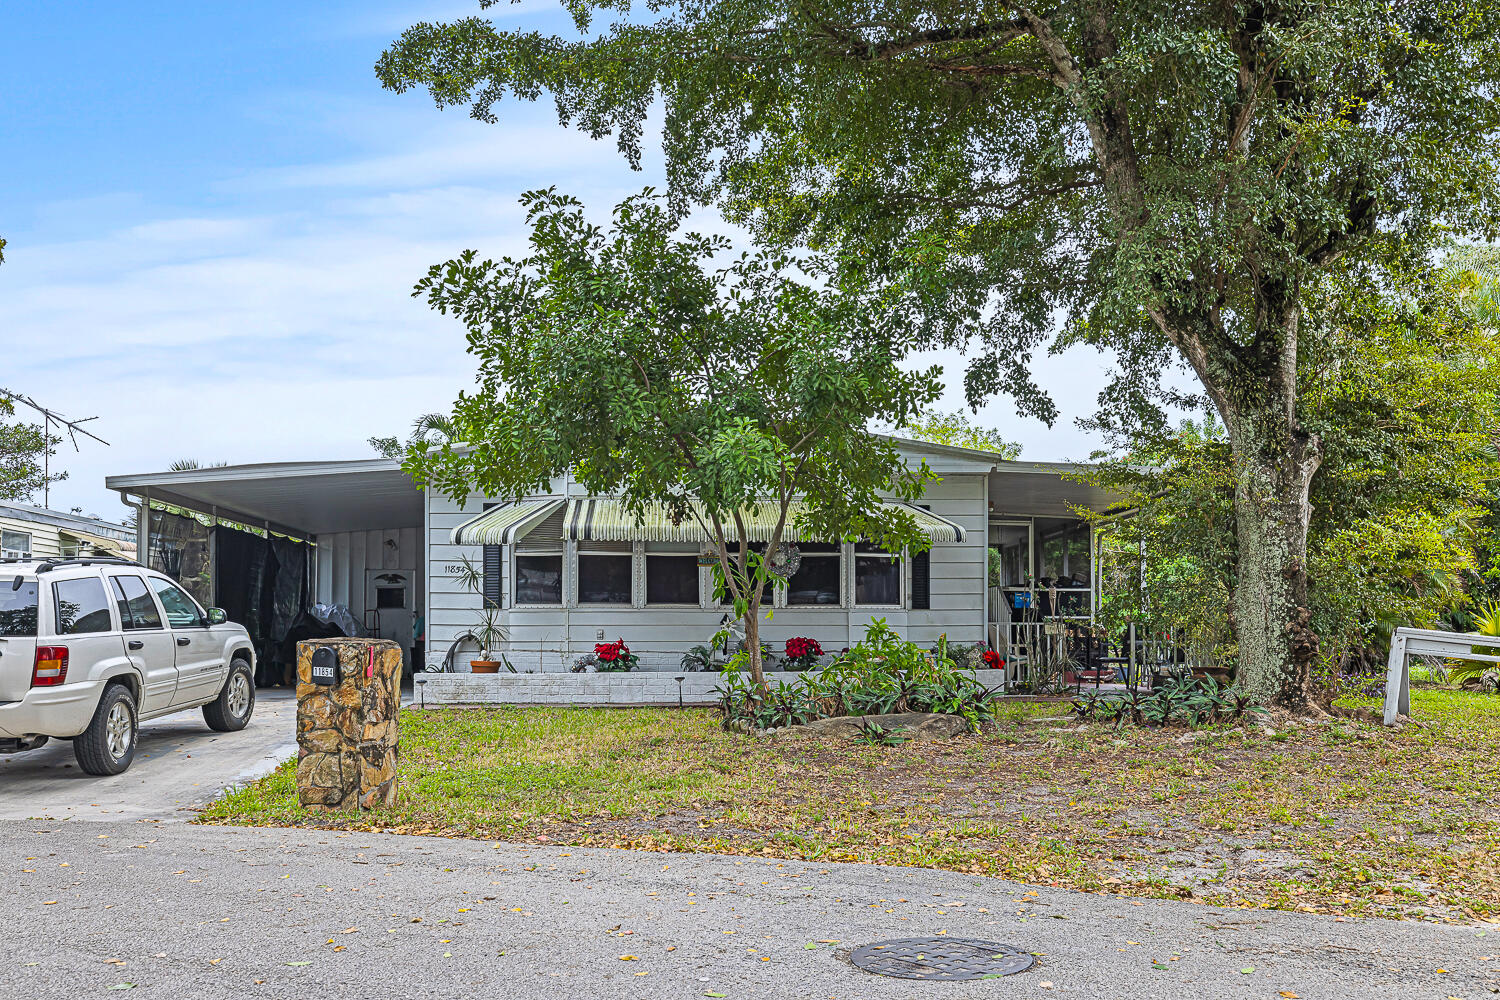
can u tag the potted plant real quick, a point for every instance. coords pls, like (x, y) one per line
(487, 632)
(802, 653)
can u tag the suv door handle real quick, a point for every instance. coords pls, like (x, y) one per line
(135, 644)
(183, 640)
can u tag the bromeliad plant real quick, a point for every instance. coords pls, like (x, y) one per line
(1191, 701)
(882, 675)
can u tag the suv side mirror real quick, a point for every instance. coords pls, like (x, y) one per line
(217, 616)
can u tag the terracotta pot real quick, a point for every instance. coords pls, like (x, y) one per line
(484, 666)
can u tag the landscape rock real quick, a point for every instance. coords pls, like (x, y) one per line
(346, 734)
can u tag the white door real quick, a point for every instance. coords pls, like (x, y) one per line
(148, 643)
(200, 652)
(392, 600)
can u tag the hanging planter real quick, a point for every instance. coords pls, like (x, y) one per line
(784, 561)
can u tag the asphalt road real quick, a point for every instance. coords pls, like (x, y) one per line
(187, 911)
(179, 763)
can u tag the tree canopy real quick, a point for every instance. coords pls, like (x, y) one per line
(23, 447)
(626, 359)
(958, 430)
(1168, 180)
(1404, 392)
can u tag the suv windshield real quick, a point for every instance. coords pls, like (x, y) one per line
(18, 607)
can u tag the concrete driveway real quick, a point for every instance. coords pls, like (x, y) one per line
(180, 763)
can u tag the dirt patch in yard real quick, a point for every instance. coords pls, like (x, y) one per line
(1339, 817)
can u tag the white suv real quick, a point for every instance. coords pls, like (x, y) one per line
(89, 648)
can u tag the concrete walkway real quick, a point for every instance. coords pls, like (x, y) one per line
(206, 912)
(179, 763)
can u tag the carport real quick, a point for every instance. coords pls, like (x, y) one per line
(267, 541)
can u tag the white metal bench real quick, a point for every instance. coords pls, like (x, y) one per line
(1409, 642)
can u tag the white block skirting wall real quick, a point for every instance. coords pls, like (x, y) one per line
(647, 687)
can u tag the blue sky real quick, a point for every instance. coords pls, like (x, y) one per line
(215, 216)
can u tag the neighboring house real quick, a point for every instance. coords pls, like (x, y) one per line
(566, 570)
(35, 532)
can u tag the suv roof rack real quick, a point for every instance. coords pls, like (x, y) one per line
(51, 564)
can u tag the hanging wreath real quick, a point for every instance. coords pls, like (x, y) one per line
(784, 560)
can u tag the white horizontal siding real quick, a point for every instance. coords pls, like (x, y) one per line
(45, 542)
(549, 639)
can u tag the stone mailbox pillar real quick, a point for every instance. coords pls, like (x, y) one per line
(348, 698)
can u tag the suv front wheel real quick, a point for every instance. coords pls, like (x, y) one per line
(107, 746)
(230, 711)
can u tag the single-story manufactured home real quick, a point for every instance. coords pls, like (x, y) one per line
(564, 571)
(27, 531)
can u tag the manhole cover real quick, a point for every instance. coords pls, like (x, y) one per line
(944, 959)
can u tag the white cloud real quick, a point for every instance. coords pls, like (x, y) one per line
(280, 326)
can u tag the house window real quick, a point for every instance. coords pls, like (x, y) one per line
(539, 563)
(817, 580)
(671, 577)
(604, 574)
(723, 598)
(1064, 563)
(539, 579)
(877, 575)
(15, 545)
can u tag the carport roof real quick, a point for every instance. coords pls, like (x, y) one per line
(1044, 489)
(300, 498)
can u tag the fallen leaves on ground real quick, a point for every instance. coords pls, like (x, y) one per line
(1338, 817)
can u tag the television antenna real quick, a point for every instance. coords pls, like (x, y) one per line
(51, 419)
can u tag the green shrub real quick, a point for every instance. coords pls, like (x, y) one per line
(1193, 701)
(884, 674)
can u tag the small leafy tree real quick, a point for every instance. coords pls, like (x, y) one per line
(957, 430)
(623, 359)
(22, 449)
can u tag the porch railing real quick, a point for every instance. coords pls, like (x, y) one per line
(1053, 654)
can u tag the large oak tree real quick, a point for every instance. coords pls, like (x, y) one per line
(1165, 181)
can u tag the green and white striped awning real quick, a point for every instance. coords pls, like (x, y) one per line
(504, 524)
(608, 520)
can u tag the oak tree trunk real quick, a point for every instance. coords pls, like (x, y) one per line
(1273, 462)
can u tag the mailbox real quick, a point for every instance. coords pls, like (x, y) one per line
(325, 666)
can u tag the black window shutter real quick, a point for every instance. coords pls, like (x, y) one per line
(921, 581)
(492, 573)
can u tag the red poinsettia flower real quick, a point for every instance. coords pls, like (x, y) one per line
(992, 659)
(609, 652)
(801, 648)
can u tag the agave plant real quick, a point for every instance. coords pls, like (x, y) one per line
(1486, 622)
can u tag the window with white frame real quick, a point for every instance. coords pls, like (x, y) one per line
(672, 574)
(723, 599)
(819, 579)
(539, 564)
(877, 576)
(605, 573)
(15, 545)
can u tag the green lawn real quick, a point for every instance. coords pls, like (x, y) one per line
(1345, 817)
